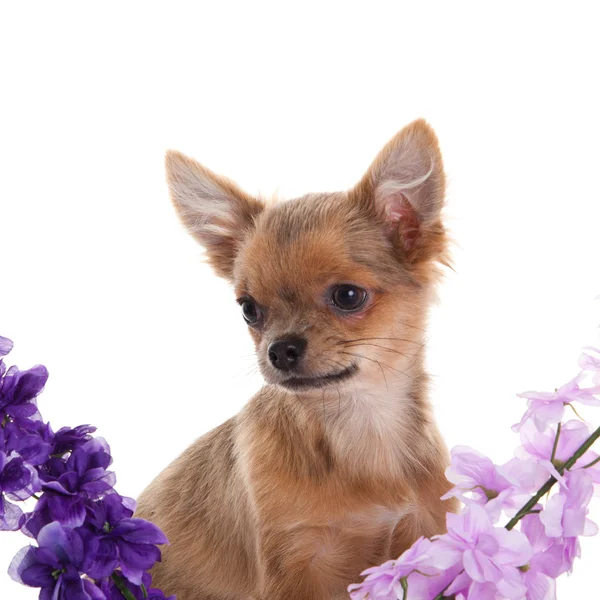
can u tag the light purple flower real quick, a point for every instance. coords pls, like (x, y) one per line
(550, 559)
(539, 447)
(478, 480)
(424, 556)
(590, 361)
(489, 554)
(548, 408)
(565, 514)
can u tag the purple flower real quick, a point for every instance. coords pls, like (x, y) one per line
(6, 346)
(115, 538)
(31, 440)
(147, 592)
(71, 484)
(489, 555)
(67, 439)
(54, 566)
(89, 545)
(85, 476)
(18, 481)
(18, 390)
(548, 408)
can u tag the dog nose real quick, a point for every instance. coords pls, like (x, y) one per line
(286, 354)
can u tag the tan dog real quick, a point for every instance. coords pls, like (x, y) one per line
(336, 464)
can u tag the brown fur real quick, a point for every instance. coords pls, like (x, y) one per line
(303, 489)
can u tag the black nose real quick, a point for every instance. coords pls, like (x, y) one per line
(286, 354)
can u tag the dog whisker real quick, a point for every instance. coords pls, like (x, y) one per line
(378, 362)
(396, 339)
(379, 346)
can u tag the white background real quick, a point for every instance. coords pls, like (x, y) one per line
(101, 283)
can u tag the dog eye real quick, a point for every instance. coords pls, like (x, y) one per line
(348, 297)
(250, 311)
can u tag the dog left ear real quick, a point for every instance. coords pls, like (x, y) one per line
(404, 188)
(213, 208)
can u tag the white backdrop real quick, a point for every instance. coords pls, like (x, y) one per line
(100, 282)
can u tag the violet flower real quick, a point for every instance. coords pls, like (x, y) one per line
(67, 439)
(18, 390)
(18, 481)
(54, 566)
(119, 539)
(85, 477)
(144, 591)
(31, 440)
(82, 526)
(6, 346)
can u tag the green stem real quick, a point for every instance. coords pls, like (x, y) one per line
(404, 586)
(575, 411)
(591, 464)
(550, 483)
(441, 596)
(555, 446)
(122, 587)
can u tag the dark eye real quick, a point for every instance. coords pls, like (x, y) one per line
(250, 311)
(348, 297)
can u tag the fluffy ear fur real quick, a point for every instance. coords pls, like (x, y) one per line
(405, 188)
(214, 210)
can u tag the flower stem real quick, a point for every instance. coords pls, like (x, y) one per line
(555, 446)
(526, 509)
(591, 464)
(122, 588)
(404, 586)
(441, 596)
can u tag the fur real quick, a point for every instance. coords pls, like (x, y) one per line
(305, 488)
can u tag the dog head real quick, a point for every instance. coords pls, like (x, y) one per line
(333, 287)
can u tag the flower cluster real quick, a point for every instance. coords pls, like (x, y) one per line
(479, 559)
(89, 545)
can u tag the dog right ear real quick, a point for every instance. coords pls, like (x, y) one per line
(214, 209)
(404, 187)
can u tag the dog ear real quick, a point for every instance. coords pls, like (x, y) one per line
(404, 187)
(214, 209)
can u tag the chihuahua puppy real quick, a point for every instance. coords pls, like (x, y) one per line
(336, 464)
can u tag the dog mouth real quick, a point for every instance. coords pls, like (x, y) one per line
(296, 383)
